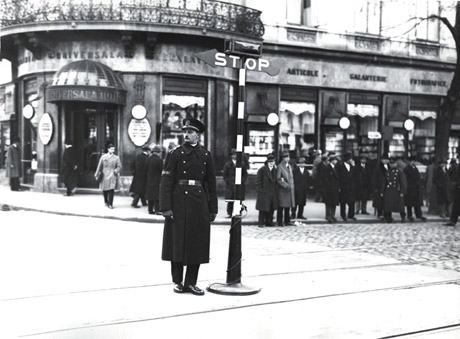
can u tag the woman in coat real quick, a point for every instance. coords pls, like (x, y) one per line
(267, 193)
(441, 181)
(154, 167)
(107, 173)
(286, 197)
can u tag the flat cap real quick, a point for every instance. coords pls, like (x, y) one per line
(193, 124)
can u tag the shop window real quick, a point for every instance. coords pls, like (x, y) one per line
(454, 142)
(176, 108)
(299, 12)
(363, 119)
(397, 145)
(367, 16)
(422, 137)
(261, 143)
(297, 126)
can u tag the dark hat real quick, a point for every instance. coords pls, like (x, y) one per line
(146, 147)
(285, 154)
(110, 146)
(330, 154)
(15, 139)
(68, 141)
(347, 156)
(233, 151)
(333, 157)
(194, 124)
(157, 149)
(363, 156)
(270, 157)
(392, 159)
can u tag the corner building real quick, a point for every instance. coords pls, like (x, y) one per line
(126, 72)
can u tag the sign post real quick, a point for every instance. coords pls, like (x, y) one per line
(243, 56)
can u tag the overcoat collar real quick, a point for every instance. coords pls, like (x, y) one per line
(189, 149)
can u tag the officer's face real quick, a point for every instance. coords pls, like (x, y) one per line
(191, 136)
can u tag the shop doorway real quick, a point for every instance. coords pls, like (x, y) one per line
(92, 127)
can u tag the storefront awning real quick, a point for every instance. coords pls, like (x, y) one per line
(87, 80)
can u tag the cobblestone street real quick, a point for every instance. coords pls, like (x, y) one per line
(430, 244)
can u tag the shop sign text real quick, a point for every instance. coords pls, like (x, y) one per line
(303, 72)
(367, 77)
(82, 94)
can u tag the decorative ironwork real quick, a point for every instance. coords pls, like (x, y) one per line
(206, 14)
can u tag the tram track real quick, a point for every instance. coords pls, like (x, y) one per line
(423, 331)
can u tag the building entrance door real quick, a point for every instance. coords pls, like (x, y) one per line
(93, 127)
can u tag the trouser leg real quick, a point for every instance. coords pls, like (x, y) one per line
(418, 211)
(110, 194)
(363, 206)
(191, 276)
(143, 201)
(106, 200)
(287, 216)
(343, 213)
(177, 272)
(14, 184)
(409, 211)
(300, 212)
(230, 205)
(269, 220)
(150, 207)
(351, 210)
(279, 215)
(135, 199)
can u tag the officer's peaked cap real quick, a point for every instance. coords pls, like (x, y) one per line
(193, 124)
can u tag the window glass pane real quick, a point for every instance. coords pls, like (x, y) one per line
(367, 16)
(294, 11)
(261, 143)
(175, 109)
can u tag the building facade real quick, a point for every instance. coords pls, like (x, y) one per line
(127, 73)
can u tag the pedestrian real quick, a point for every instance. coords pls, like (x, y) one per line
(267, 192)
(188, 201)
(393, 190)
(69, 171)
(414, 195)
(378, 182)
(13, 164)
(302, 181)
(138, 185)
(317, 159)
(108, 173)
(430, 187)
(330, 188)
(454, 177)
(346, 173)
(153, 168)
(442, 184)
(363, 181)
(286, 198)
(229, 178)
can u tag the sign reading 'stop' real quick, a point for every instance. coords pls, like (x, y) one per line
(215, 58)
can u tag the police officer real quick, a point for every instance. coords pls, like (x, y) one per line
(188, 201)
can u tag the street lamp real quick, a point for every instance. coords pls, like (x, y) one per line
(273, 119)
(409, 125)
(344, 123)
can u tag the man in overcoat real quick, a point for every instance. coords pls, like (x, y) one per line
(441, 181)
(188, 201)
(69, 172)
(286, 197)
(378, 181)
(154, 167)
(302, 181)
(138, 185)
(13, 164)
(330, 188)
(267, 193)
(454, 176)
(414, 195)
(346, 172)
(363, 184)
(229, 178)
(393, 191)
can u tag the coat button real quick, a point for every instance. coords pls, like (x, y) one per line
(186, 192)
(185, 171)
(184, 161)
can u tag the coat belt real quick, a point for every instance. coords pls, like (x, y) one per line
(189, 182)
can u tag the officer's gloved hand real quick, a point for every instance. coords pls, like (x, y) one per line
(168, 214)
(212, 216)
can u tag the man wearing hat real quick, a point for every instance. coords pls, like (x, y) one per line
(69, 168)
(286, 193)
(441, 182)
(378, 181)
(330, 188)
(346, 172)
(363, 184)
(13, 164)
(229, 178)
(188, 201)
(454, 175)
(267, 193)
(393, 191)
(414, 195)
(139, 177)
(154, 167)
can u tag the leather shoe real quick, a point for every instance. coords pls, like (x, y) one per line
(195, 290)
(179, 288)
(450, 223)
(422, 218)
(411, 219)
(364, 212)
(135, 206)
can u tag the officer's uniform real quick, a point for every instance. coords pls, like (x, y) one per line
(188, 188)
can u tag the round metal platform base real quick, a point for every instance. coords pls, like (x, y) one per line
(233, 289)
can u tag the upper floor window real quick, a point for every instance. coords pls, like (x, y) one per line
(299, 12)
(428, 29)
(367, 16)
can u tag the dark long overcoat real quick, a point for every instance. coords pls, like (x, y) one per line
(267, 189)
(302, 182)
(441, 181)
(395, 184)
(347, 184)
(13, 162)
(414, 193)
(378, 182)
(153, 167)
(138, 185)
(69, 173)
(229, 178)
(330, 185)
(186, 237)
(285, 179)
(363, 182)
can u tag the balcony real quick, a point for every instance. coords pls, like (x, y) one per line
(205, 15)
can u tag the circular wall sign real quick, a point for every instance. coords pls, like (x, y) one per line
(273, 119)
(139, 112)
(139, 131)
(45, 128)
(28, 111)
(344, 123)
(409, 124)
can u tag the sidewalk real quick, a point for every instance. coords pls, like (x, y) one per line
(92, 205)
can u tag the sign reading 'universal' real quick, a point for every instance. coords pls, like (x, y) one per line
(111, 95)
